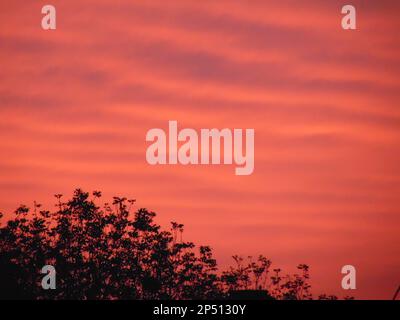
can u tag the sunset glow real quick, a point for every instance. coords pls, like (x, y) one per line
(76, 104)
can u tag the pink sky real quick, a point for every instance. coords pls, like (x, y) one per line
(76, 103)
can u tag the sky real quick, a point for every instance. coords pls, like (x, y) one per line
(76, 104)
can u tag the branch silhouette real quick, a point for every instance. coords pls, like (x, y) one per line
(110, 252)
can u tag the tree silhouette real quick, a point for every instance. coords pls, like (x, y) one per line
(110, 252)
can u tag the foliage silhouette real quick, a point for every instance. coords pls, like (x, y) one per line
(111, 253)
